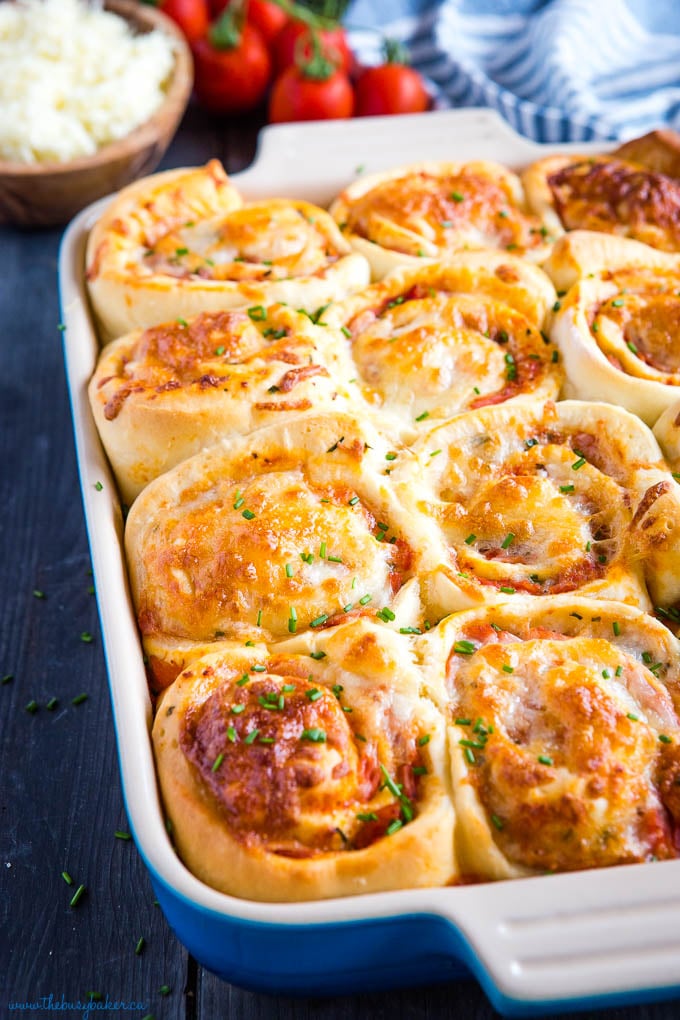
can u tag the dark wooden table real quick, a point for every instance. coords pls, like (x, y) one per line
(60, 798)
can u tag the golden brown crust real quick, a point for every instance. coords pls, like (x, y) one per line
(183, 242)
(278, 770)
(431, 210)
(602, 193)
(563, 734)
(160, 395)
(658, 151)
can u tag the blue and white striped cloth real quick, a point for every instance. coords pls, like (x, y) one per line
(557, 70)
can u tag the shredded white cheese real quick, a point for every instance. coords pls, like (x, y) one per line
(73, 78)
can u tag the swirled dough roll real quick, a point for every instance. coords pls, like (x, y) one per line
(564, 737)
(617, 326)
(606, 194)
(160, 395)
(183, 242)
(443, 338)
(543, 499)
(305, 773)
(292, 527)
(430, 210)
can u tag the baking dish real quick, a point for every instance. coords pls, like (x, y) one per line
(574, 940)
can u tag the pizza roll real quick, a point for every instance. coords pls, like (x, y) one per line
(657, 150)
(160, 395)
(608, 194)
(300, 775)
(564, 734)
(544, 499)
(430, 210)
(617, 326)
(443, 338)
(258, 537)
(183, 242)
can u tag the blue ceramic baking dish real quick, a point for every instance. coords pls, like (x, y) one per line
(541, 944)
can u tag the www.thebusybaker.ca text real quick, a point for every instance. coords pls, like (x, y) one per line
(86, 1007)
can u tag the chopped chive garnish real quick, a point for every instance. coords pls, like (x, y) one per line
(557, 306)
(464, 648)
(38, 594)
(7, 679)
(508, 669)
(346, 331)
(238, 503)
(353, 501)
(477, 744)
(470, 539)
(507, 541)
(425, 739)
(314, 694)
(387, 613)
(507, 590)
(566, 488)
(616, 627)
(67, 878)
(606, 674)
(390, 456)
(456, 196)
(367, 816)
(347, 709)
(463, 722)
(120, 834)
(317, 655)
(393, 827)
(219, 351)
(141, 942)
(435, 453)
(618, 671)
(289, 569)
(165, 989)
(665, 739)
(267, 740)
(243, 681)
(423, 416)
(218, 761)
(334, 559)
(545, 759)
(237, 709)
(77, 896)
(419, 770)
(469, 755)
(248, 514)
(51, 704)
(98, 486)
(578, 463)
(183, 323)
(348, 608)
(259, 617)
(498, 822)
(365, 599)
(632, 716)
(231, 734)
(555, 357)
(315, 735)
(79, 699)
(292, 620)
(257, 313)
(86, 637)
(337, 689)
(410, 630)
(252, 737)
(319, 621)
(258, 668)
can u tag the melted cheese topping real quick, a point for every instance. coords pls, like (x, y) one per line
(254, 357)
(295, 771)
(272, 550)
(634, 322)
(565, 756)
(536, 512)
(617, 197)
(430, 214)
(429, 350)
(270, 240)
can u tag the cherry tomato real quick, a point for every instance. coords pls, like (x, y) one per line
(192, 16)
(290, 48)
(296, 96)
(267, 17)
(390, 88)
(231, 79)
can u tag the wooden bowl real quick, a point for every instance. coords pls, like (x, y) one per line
(49, 194)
